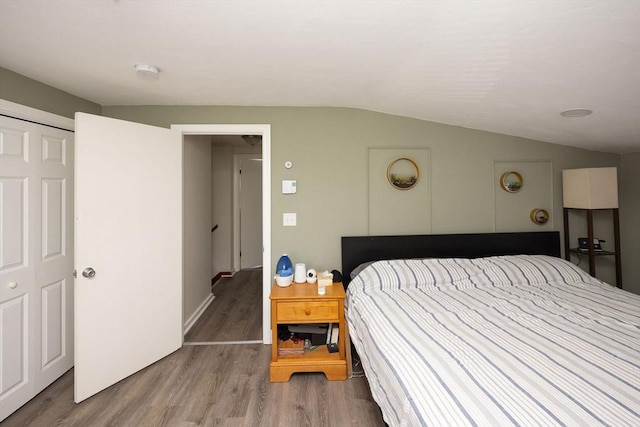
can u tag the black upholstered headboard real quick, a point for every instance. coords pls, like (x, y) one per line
(358, 250)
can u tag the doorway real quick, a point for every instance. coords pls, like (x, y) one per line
(264, 131)
(247, 207)
(223, 238)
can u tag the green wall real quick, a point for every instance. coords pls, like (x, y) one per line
(329, 150)
(630, 221)
(16, 88)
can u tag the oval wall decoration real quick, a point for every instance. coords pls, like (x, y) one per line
(403, 173)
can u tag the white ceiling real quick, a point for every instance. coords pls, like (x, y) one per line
(503, 66)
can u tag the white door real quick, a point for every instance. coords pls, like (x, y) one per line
(250, 210)
(129, 231)
(36, 259)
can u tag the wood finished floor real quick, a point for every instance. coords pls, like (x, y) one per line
(235, 313)
(217, 385)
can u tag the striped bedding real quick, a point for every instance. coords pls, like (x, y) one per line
(517, 340)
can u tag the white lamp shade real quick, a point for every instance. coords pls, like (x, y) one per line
(590, 188)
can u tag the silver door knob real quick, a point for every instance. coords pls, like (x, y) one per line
(88, 272)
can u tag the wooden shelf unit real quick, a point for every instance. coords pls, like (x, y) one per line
(300, 303)
(591, 253)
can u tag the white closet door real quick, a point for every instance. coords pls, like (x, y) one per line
(36, 259)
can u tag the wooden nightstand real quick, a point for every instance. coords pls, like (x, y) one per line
(300, 303)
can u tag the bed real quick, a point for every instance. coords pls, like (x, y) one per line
(508, 335)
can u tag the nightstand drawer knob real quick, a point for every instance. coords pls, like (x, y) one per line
(307, 311)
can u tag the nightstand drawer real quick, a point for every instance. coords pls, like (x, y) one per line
(301, 311)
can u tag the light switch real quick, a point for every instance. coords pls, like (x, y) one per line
(289, 219)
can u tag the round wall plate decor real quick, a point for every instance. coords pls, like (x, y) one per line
(539, 216)
(403, 173)
(511, 181)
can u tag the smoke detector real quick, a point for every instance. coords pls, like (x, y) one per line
(147, 72)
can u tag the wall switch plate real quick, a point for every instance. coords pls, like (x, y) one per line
(289, 219)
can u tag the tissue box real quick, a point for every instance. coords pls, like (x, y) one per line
(325, 279)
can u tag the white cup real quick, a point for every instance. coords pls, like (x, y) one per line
(300, 273)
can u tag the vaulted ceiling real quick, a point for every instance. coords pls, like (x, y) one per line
(504, 66)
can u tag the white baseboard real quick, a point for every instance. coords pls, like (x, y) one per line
(196, 315)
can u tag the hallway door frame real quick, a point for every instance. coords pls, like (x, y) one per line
(263, 130)
(239, 214)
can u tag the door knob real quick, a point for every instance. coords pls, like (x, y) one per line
(88, 272)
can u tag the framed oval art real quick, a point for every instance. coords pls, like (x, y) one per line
(403, 173)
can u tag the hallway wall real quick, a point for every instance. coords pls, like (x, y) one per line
(197, 224)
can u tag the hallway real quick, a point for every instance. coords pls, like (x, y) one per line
(236, 312)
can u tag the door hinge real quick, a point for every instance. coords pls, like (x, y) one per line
(75, 274)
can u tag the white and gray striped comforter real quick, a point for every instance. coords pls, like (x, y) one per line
(518, 340)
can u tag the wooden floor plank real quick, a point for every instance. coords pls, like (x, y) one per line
(236, 311)
(206, 386)
(218, 385)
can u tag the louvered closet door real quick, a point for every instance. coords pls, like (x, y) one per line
(36, 259)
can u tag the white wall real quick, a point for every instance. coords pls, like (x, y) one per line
(222, 207)
(197, 224)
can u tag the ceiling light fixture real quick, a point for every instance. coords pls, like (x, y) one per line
(576, 112)
(147, 72)
(252, 139)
